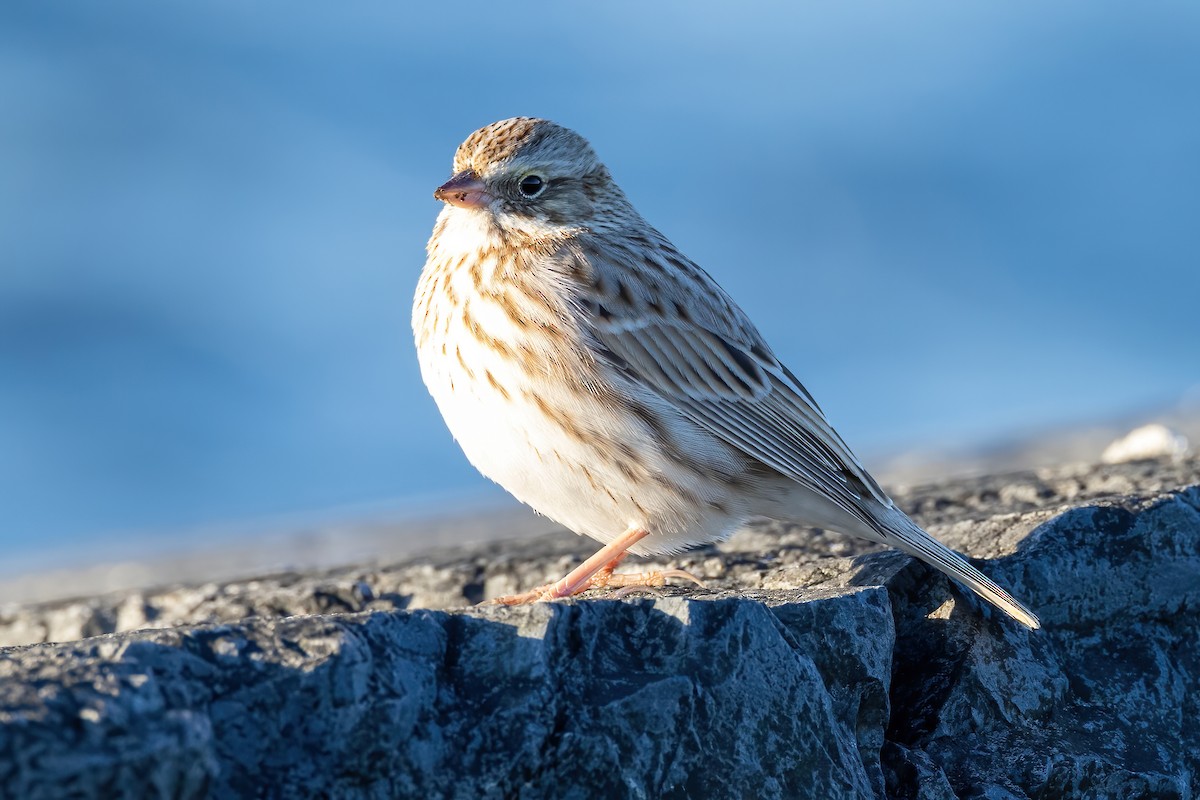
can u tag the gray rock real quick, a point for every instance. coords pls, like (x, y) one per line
(985, 517)
(797, 675)
(643, 698)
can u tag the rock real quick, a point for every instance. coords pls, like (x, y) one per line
(1147, 442)
(985, 517)
(798, 676)
(636, 698)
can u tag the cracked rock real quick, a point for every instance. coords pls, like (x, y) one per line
(797, 674)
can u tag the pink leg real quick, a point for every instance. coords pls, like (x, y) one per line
(606, 557)
(597, 572)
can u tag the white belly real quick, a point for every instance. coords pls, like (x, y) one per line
(572, 474)
(570, 464)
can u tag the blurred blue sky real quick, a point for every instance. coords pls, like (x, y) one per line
(955, 221)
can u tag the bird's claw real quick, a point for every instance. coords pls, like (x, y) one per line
(624, 583)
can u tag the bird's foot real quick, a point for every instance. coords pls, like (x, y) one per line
(532, 596)
(647, 580)
(627, 583)
(604, 578)
(597, 573)
(553, 591)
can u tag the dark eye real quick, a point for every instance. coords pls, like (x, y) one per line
(531, 185)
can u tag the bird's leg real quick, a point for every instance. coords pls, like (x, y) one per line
(597, 573)
(580, 578)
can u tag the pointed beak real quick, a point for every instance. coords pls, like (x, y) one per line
(464, 190)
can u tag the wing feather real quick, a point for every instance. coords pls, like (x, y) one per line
(714, 366)
(709, 361)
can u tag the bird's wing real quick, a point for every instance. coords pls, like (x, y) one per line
(674, 331)
(666, 324)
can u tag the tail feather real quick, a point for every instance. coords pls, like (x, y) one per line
(908, 537)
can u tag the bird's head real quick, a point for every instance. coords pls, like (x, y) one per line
(530, 177)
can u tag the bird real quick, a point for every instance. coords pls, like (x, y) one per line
(600, 376)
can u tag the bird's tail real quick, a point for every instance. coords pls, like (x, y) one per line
(906, 535)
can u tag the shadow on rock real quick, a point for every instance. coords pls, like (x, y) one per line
(666, 698)
(1098, 703)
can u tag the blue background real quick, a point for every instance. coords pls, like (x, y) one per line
(957, 222)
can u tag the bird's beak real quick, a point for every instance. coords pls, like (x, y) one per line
(464, 190)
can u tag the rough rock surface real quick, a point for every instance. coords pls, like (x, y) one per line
(797, 674)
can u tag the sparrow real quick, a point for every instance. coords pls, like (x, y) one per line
(600, 376)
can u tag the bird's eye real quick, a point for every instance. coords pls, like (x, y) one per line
(531, 185)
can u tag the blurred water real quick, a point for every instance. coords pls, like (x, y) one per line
(954, 221)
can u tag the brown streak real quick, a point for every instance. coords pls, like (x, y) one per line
(462, 362)
(496, 385)
(688, 497)
(559, 418)
(624, 293)
(502, 299)
(450, 292)
(719, 507)
(587, 473)
(497, 346)
(476, 273)
(653, 423)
